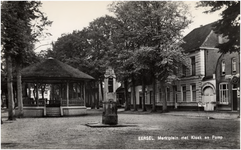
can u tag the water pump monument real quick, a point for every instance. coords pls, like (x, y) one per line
(109, 115)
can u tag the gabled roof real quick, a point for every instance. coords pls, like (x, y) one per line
(53, 69)
(197, 38)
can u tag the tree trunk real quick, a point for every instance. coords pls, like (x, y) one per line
(97, 99)
(102, 90)
(11, 112)
(134, 93)
(154, 95)
(2, 100)
(37, 97)
(92, 95)
(143, 94)
(97, 94)
(15, 96)
(164, 101)
(127, 106)
(19, 91)
(100, 96)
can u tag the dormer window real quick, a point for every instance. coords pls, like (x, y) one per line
(223, 68)
(234, 66)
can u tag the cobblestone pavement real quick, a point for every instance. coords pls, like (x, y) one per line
(152, 131)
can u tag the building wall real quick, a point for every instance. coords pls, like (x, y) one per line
(192, 80)
(188, 80)
(189, 100)
(222, 79)
(207, 75)
(202, 62)
(211, 58)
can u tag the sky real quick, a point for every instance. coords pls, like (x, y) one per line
(68, 16)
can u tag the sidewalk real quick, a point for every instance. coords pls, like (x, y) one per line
(205, 114)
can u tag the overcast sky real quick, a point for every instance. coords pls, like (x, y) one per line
(75, 15)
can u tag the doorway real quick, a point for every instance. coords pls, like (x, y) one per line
(208, 94)
(235, 97)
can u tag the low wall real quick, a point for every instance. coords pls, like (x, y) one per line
(64, 111)
(34, 111)
(72, 110)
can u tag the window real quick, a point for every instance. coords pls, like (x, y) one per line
(110, 85)
(174, 93)
(193, 67)
(168, 94)
(234, 66)
(184, 69)
(223, 93)
(184, 93)
(193, 92)
(223, 67)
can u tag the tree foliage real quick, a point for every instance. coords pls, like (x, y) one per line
(151, 23)
(21, 23)
(90, 49)
(153, 31)
(141, 41)
(229, 25)
(157, 25)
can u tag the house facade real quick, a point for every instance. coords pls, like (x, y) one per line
(200, 84)
(227, 82)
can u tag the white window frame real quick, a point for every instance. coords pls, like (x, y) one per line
(193, 65)
(191, 92)
(182, 94)
(184, 71)
(223, 67)
(234, 65)
(223, 94)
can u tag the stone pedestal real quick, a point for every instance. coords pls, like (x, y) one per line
(109, 115)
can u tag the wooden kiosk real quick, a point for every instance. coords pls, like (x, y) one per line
(52, 88)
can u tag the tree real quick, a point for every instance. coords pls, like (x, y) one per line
(157, 26)
(145, 60)
(92, 49)
(22, 22)
(125, 71)
(229, 25)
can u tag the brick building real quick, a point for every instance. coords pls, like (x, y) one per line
(227, 81)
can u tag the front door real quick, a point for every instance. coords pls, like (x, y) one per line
(208, 94)
(235, 96)
(235, 100)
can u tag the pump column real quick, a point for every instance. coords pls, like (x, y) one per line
(109, 115)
